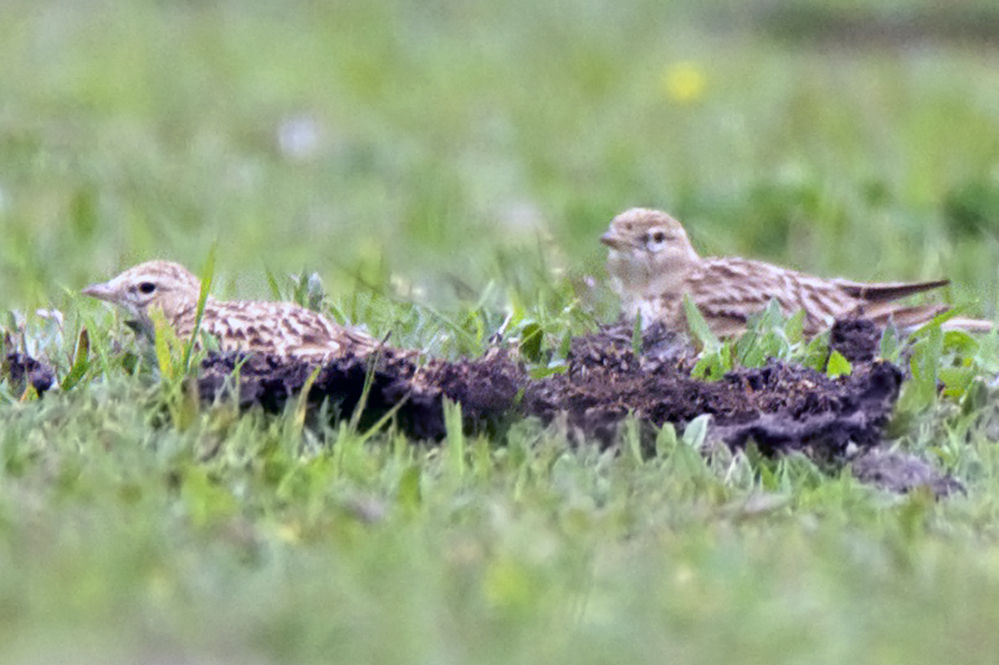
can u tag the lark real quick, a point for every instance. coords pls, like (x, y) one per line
(280, 329)
(653, 265)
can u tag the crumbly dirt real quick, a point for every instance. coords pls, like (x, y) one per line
(23, 369)
(780, 407)
(858, 340)
(486, 388)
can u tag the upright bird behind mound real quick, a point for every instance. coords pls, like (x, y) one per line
(653, 265)
(279, 329)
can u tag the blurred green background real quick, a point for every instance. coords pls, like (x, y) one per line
(429, 146)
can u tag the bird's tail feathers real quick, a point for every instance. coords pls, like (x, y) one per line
(887, 291)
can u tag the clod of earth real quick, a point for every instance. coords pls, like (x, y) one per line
(23, 369)
(856, 339)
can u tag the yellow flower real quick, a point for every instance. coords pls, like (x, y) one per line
(683, 82)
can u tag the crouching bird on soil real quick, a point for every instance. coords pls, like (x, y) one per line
(280, 329)
(653, 265)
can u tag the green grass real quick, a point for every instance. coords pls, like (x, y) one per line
(466, 157)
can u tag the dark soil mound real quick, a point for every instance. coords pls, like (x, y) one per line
(780, 407)
(389, 381)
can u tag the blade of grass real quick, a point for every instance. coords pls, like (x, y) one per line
(302, 404)
(273, 284)
(161, 342)
(374, 429)
(81, 361)
(362, 402)
(207, 274)
(455, 442)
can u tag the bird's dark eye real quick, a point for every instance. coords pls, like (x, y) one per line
(658, 236)
(147, 287)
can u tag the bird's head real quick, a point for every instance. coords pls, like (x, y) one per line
(153, 284)
(649, 250)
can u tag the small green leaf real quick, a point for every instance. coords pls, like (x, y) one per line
(766, 336)
(794, 327)
(531, 336)
(816, 353)
(666, 440)
(960, 342)
(956, 380)
(838, 365)
(696, 432)
(698, 326)
(686, 464)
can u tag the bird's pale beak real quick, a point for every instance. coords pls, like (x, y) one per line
(612, 240)
(100, 291)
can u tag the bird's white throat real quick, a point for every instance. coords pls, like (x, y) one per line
(634, 275)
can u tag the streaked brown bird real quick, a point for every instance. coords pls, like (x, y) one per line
(275, 328)
(653, 265)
